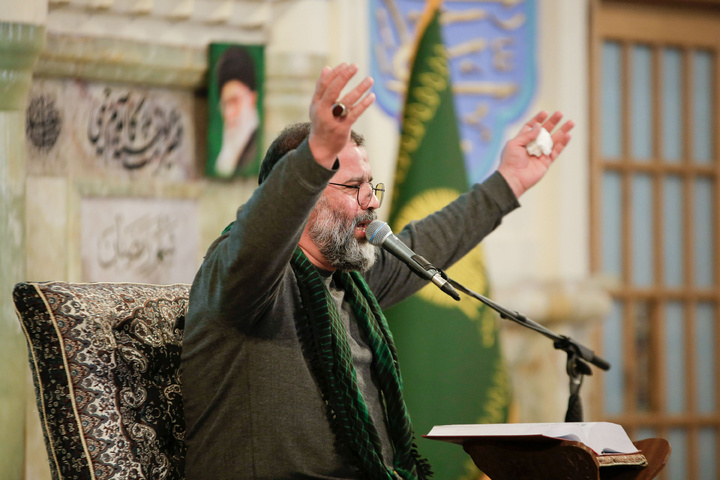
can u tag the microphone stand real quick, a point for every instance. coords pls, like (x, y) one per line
(577, 354)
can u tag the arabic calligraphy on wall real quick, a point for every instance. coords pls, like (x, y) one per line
(43, 122)
(139, 240)
(130, 128)
(145, 244)
(94, 130)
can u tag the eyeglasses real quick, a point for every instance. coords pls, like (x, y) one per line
(365, 192)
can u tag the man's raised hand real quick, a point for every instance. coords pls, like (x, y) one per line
(329, 134)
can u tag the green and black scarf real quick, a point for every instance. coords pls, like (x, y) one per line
(325, 346)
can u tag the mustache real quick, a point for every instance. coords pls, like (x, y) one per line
(365, 217)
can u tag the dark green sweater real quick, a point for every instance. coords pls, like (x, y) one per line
(252, 407)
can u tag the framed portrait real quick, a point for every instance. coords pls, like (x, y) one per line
(235, 110)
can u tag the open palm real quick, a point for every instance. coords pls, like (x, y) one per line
(522, 170)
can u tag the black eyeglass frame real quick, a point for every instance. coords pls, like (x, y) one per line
(380, 187)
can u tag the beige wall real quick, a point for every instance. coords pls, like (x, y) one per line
(538, 259)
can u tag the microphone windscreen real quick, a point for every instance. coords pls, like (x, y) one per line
(377, 231)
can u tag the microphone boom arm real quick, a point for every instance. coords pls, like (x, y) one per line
(560, 342)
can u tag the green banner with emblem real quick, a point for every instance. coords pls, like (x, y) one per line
(449, 351)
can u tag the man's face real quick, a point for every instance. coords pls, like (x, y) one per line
(337, 223)
(234, 97)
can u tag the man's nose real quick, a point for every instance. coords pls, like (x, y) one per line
(374, 201)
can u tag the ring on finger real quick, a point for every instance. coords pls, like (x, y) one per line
(339, 110)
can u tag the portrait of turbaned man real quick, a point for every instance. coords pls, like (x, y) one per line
(235, 116)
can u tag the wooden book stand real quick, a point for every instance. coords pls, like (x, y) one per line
(549, 459)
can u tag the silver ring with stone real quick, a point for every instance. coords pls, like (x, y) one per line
(339, 110)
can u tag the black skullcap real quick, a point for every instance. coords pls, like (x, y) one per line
(236, 63)
(290, 139)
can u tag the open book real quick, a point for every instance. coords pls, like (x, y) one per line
(601, 437)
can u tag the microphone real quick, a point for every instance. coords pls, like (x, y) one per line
(379, 234)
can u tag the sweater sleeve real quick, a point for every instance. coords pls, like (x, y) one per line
(241, 272)
(443, 238)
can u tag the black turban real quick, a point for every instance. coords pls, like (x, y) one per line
(236, 64)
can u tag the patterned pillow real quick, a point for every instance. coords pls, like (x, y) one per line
(105, 359)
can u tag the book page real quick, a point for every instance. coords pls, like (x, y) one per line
(601, 437)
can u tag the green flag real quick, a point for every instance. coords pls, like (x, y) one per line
(449, 351)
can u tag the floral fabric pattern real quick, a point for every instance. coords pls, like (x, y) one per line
(105, 359)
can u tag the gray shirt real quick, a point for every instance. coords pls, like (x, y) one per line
(252, 407)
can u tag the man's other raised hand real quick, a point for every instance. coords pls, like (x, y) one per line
(522, 170)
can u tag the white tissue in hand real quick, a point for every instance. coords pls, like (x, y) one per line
(542, 145)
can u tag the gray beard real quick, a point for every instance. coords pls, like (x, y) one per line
(333, 234)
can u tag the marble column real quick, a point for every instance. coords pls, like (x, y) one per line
(20, 45)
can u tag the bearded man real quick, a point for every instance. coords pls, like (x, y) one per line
(289, 369)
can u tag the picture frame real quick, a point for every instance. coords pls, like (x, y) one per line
(235, 110)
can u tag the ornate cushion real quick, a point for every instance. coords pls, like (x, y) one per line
(105, 359)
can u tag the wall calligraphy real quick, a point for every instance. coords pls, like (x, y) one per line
(134, 131)
(144, 244)
(43, 122)
(139, 240)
